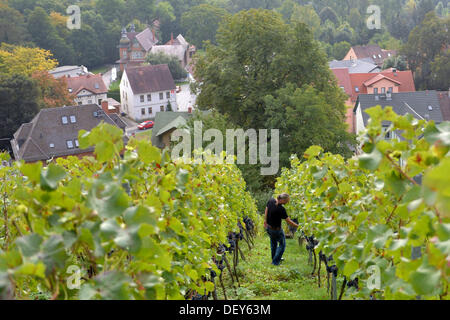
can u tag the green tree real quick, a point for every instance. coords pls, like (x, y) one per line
(422, 48)
(19, 96)
(305, 118)
(201, 22)
(307, 14)
(340, 49)
(45, 35)
(12, 26)
(258, 54)
(398, 62)
(174, 64)
(440, 71)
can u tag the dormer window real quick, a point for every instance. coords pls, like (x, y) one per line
(52, 145)
(73, 119)
(430, 108)
(76, 143)
(70, 90)
(96, 85)
(379, 56)
(374, 56)
(64, 120)
(69, 144)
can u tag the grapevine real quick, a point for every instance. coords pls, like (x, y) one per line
(386, 210)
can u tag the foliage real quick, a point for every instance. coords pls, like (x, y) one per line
(398, 62)
(421, 49)
(53, 92)
(141, 226)
(19, 102)
(24, 61)
(172, 61)
(201, 22)
(375, 210)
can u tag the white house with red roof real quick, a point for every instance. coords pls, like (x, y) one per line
(88, 89)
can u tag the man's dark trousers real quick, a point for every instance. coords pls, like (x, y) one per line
(277, 244)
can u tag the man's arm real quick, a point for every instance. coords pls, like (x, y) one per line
(265, 219)
(292, 223)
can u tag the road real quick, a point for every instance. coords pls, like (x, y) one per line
(185, 99)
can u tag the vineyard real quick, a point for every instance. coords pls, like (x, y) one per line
(379, 223)
(130, 226)
(132, 223)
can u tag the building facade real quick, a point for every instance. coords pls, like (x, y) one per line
(147, 90)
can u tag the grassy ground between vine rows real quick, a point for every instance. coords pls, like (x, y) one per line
(260, 280)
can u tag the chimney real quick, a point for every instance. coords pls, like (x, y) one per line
(190, 110)
(105, 106)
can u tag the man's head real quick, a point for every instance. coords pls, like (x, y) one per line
(283, 198)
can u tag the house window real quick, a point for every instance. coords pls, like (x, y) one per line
(375, 90)
(64, 120)
(99, 102)
(142, 98)
(387, 134)
(162, 108)
(69, 144)
(149, 97)
(356, 89)
(150, 111)
(89, 101)
(161, 96)
(390, 90)
(79, 103)
(168, 95)
(143, 111)
(76, 143)
(383, 90)
(73, 119)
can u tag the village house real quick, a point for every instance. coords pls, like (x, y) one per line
(355, 84)
(355, 66)
(147, 90)
(134, 46)
(422, 105)
(165, 124)
(372, 51)
(69, 71)
(176, 47)
(53, 132)
(88, 89)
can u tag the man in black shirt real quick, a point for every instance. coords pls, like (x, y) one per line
(272, 223)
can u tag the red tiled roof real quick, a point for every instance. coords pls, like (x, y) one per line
(343, 79)
(404, 77)
(379, 77)
(93, 83)
(374, 52)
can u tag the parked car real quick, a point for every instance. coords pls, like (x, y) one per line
(146, 125)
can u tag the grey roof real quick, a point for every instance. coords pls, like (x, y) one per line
(414, 103)
(355, 66)
(163, 119)
(146, 39)
(33, 139)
